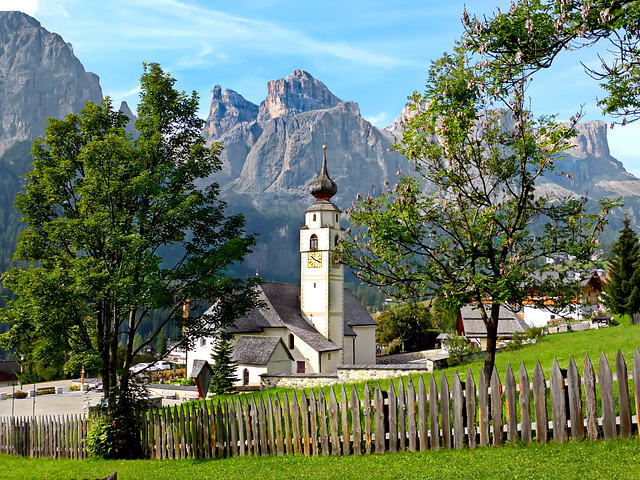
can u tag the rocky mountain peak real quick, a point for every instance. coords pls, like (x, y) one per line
(298, 92)
(227, 110)
(40, 77)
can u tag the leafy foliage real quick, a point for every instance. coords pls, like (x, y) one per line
(459, 349)
(622, 290)
(468, 222)
(408, 325)
(224, 368)
(532, 33)
(100, 209)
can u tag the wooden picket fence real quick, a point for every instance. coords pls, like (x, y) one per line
(61, 436)
(465, 414)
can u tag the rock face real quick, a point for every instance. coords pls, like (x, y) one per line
(40, 77)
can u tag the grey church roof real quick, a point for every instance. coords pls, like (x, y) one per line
(508, 322)
(283, 311)
(256, 349)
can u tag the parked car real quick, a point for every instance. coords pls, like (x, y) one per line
(160, 365)
(138, 368)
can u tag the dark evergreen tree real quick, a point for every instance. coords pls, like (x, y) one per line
(622, 289)
(224, 368)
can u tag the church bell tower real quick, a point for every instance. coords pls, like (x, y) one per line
(321, 272)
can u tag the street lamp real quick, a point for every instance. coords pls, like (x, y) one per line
(22, 358)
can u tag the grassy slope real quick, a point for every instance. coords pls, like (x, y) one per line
(560, 346)
(585, 460)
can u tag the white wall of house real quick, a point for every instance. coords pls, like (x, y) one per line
(201, 350)
(254, 374)
(365, 345)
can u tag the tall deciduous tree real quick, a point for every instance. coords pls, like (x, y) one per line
(532, 33)
(103, 210)
(622, 288)
(469, 222)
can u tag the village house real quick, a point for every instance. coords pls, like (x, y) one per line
(309, 328)
(472, 327)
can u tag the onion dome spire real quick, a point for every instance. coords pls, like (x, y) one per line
(323, 188)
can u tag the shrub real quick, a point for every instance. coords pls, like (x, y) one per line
(515, 343)
(534, 333)
(20, 394)
(74, 388)
(459, 349)
(46, 391)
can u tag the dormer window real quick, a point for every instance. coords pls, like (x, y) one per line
(313, 242)
(314, 217)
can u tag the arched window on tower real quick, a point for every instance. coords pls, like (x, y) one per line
(291, 341)
(245, 377)
(313, 242)
(314, 217)
(336, 241)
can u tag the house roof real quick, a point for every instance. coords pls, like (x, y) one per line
(474, 326)
(257, 349)
(283, 311)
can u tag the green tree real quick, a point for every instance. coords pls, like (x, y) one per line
(468, 222)
(622, 289)
(224, 368)
(532, 33)
(102, 211)
(407, 325)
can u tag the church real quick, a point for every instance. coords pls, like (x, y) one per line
(313, 327)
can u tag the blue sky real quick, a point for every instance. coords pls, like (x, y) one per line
(369, 51)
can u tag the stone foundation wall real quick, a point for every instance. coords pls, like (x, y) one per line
(347, 374)
(402, 358)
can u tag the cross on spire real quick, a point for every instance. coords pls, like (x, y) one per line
(324, 136)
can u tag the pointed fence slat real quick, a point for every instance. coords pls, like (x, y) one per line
(262, 426)
(458, 410)
(575, 401)
(445, 408)
(635, 370)
(356, 421)
(525, 405)
(278, 424)
(540, 405)
(313, 422)
(434, 415)
(295, 425)
(411, 416)
(322, 420)
(483, 409)
(470, 402)
(241, 431)
(336, 447)
(367, 419)
(287, 424)
(402, 411)
(393, 419)
(422, 416)
(378, 404)
(249, 427)
(344, 410)
(496, 408)
(624, 405)
(257, 448)
(590, 399)
(605, 380)
(233, 424)
(270, 426)
(558, 406)
(306, 432)
(511, 408)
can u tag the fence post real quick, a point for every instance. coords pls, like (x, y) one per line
(380, 434)
(286, 417)
(356, 421)
(483, 409)
(510, 406)
(367, 419)
(458, 411)
(393, 419)
(344, 410)
(496, 407)
(402, 410)
(445, 408)
(336, 448)
(590, 398)
(434, 414)
(470, 400)
(411, 416)
(295, 424)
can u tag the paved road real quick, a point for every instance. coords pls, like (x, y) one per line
(65, 404)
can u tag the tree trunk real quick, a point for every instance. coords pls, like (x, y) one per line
(492, 340)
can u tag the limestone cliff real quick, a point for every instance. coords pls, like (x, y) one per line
(40, 77)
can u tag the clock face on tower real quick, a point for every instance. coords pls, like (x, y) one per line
(314, 259)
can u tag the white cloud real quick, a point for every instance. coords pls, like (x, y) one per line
(27, 6)
(379, 120)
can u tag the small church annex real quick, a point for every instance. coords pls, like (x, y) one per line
(313, 327)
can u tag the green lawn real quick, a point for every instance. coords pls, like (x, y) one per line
(584, 460)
